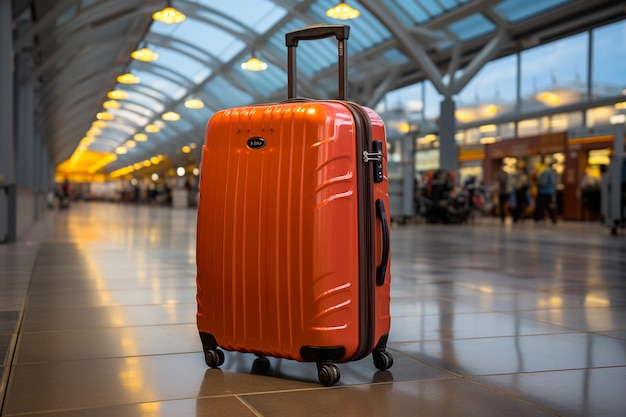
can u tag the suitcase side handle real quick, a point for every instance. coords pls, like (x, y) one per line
(340, 32)
(381, 270)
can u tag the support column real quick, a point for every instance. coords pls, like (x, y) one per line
(615, 172)
(8, 199)
(408, 175)
(447, 131)
(26, 167)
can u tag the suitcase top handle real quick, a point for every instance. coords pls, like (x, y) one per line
(340, 32)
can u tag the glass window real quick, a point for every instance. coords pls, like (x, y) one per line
(528, 127)
(507, 130)
(609, 60)
(555, 74)
(432, 101)
(427, 159)
(565, 121)
(491, 93)
(600, 116)
(407, 99)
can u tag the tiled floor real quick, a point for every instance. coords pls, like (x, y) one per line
(97, 318)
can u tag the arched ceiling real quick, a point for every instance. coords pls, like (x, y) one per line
(73, 50)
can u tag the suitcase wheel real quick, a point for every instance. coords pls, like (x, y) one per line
(214, 358)
(382, 360)
(328, 374)
(261, 365)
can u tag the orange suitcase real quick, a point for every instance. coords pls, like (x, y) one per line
(292, 233)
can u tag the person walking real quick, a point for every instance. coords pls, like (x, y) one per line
(504, 192)
(520, 193)
(546, 195)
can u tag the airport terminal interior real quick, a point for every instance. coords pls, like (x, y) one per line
(496, 308)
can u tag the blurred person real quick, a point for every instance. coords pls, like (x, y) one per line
(520, 192)
(589, 188)
(505, 186)
(546, 194)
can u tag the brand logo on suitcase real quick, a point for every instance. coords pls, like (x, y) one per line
(256, 143)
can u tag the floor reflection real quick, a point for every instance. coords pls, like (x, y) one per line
(486, 320)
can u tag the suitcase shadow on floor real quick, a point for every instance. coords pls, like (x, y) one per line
(245, 372)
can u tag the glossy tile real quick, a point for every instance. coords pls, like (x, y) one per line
(503, 355)
(200, 407)
(105, 297)
(6, 341)
(486, 320)
(108, 343)
(463, 326)
(595, 392)
(8, 321)
(588, 319)
(55, 386)
(108, 316)
(429, 305)
(446, 398)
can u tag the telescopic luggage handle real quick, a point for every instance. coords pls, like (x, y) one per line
(340, 32)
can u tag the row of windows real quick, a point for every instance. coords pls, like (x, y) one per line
(580, 69)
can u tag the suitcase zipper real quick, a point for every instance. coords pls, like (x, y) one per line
(366, 229)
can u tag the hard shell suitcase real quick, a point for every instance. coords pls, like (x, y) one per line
(292, 234)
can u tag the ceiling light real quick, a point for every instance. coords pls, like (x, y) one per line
(180, 171)
(254, 64)
(194, 103)
(171, 116)
(117, 95)
(155, 160)
(120, 150)
(168, 16)
(104, 116)
(145, 55)
(140, 137)
(128, 78)
(152, 129)
(146, 163)
(99, 124)
(130, 143)
(111, 104)
(343, 11)
(186, 149)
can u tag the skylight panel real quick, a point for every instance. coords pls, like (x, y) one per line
(171, 89)
(226, 94)
(178, 62)
(518, 10)
(472, 27)
(258, 15)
